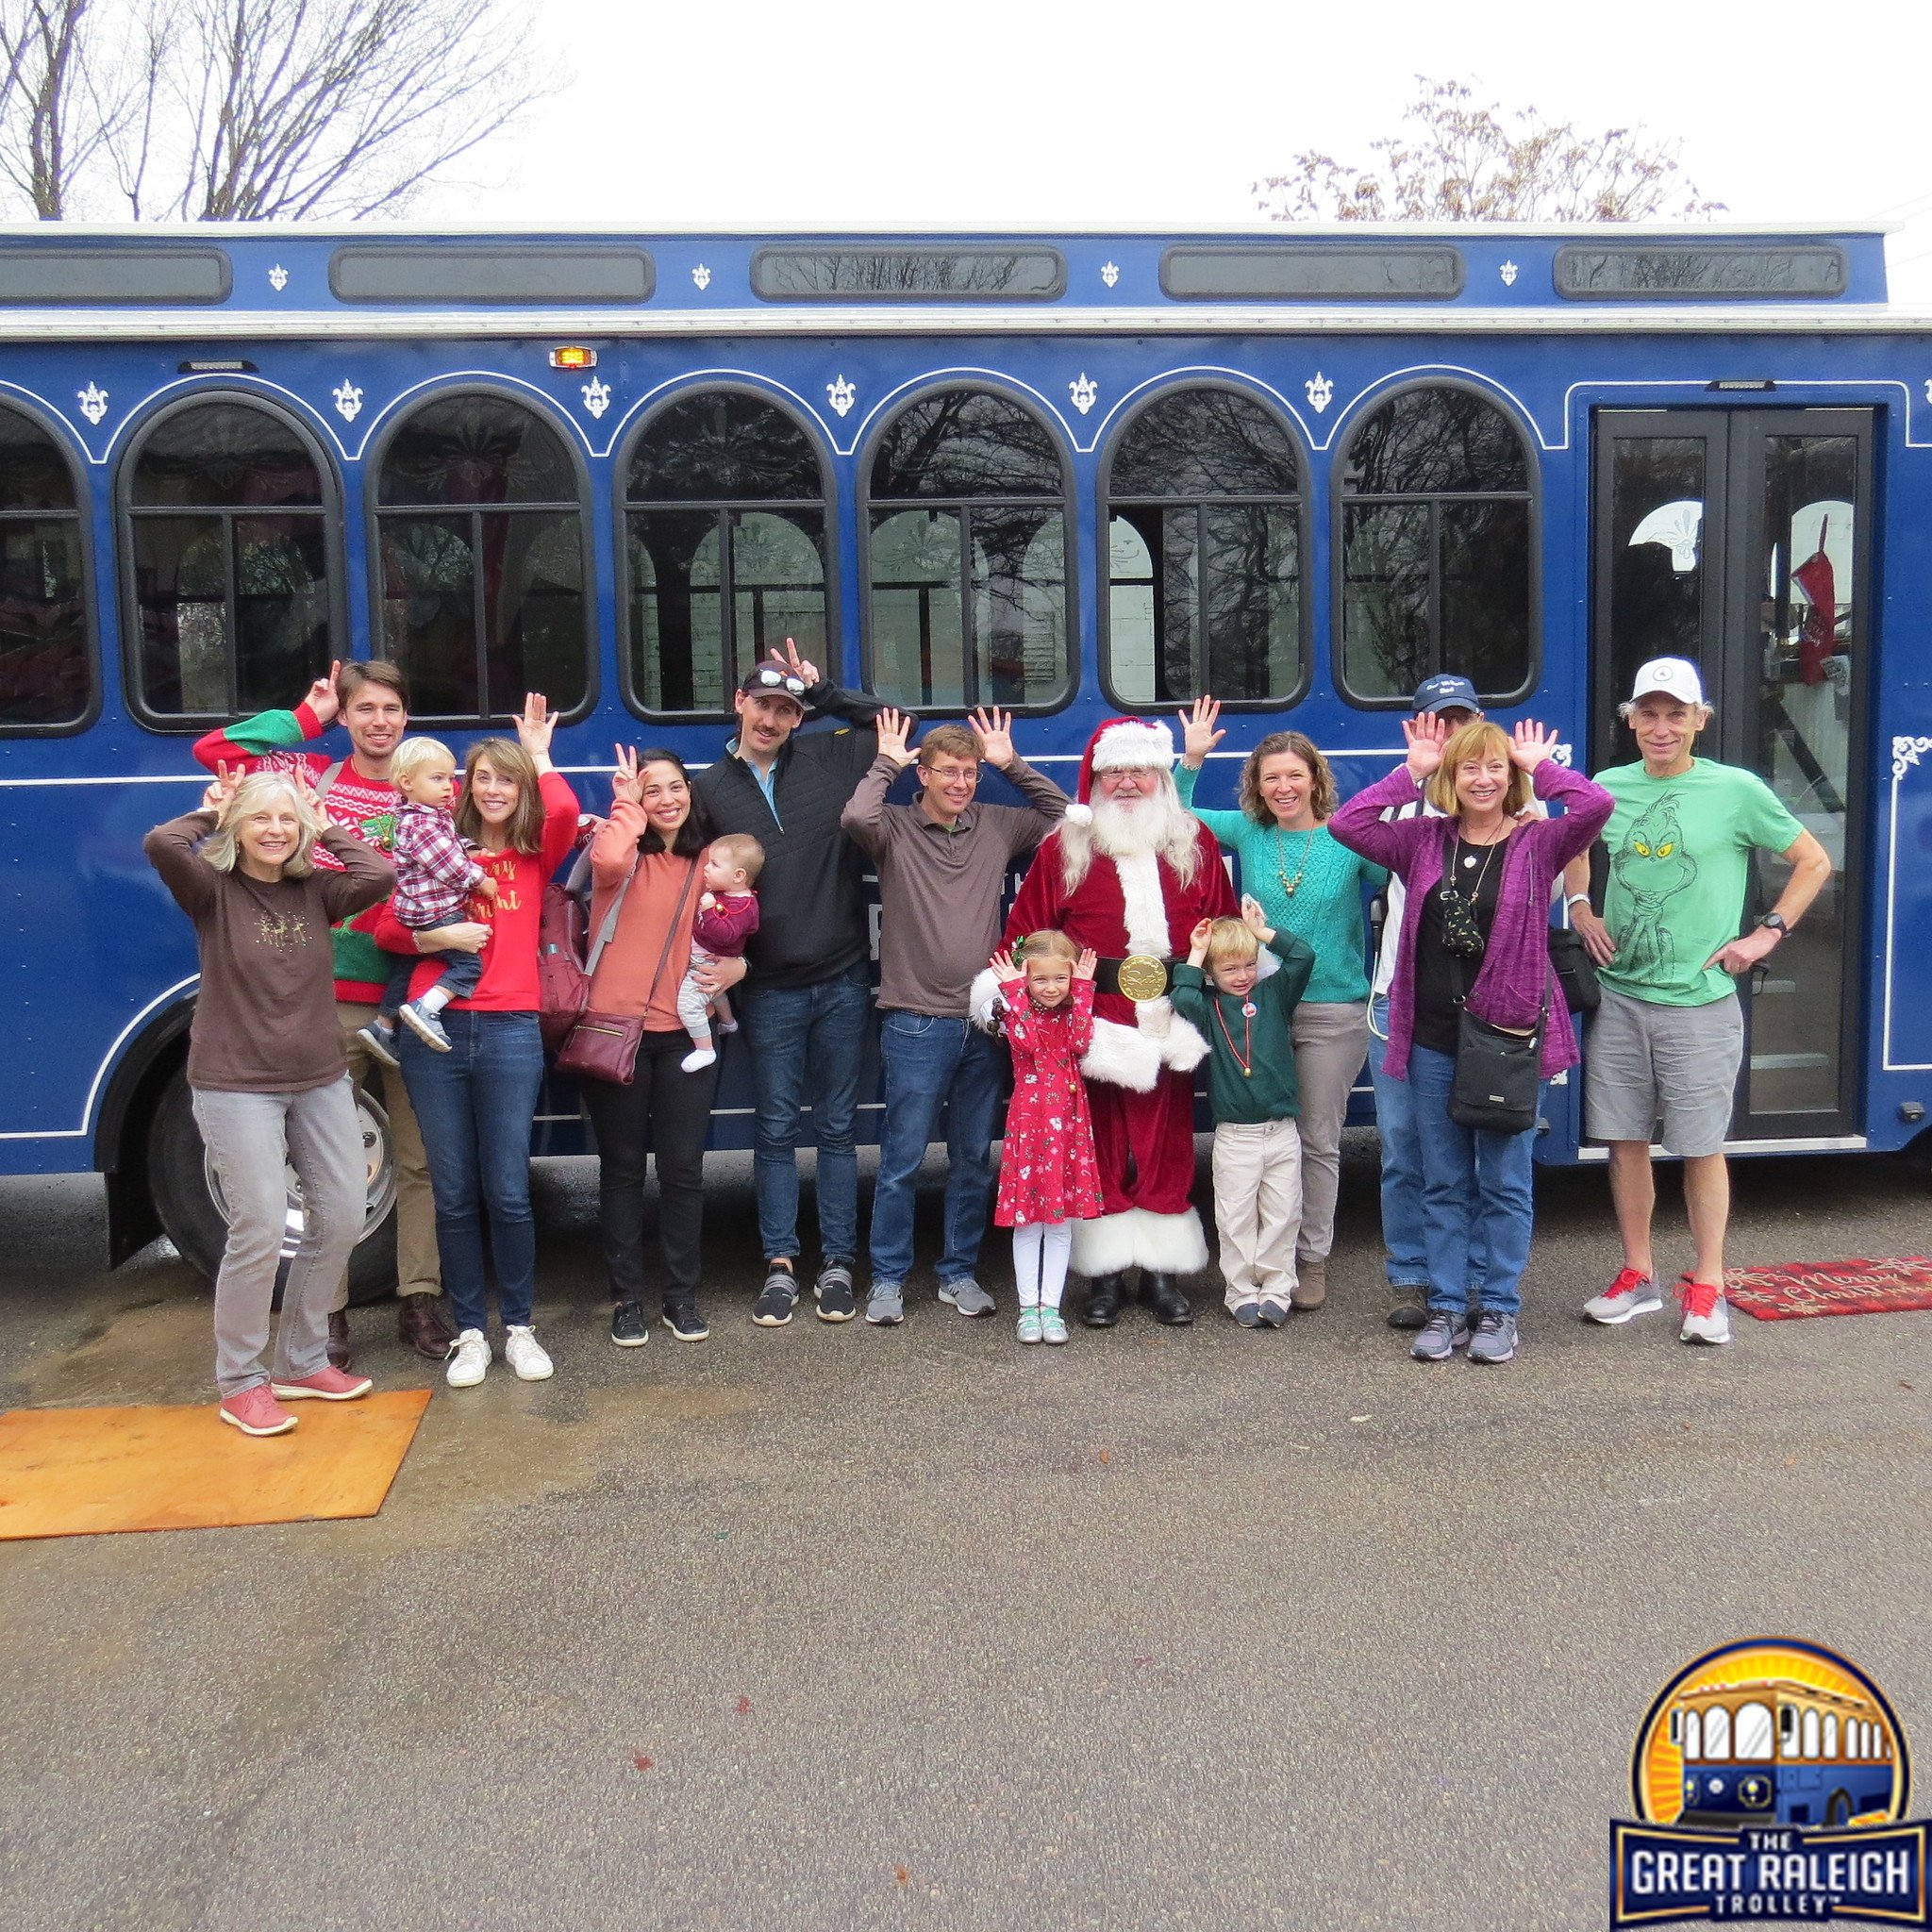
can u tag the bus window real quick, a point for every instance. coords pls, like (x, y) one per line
(1787, 1730)
(966, 519)
(1717, 1732)
(228, 518)
(1753, 1733)
(1831, 1734)
(724, 531)
(45, 677)
(1693, 1739)
(480, 584)
(1812, 1733)
(1676, 1723)
(1204, 549)
(1435, 549)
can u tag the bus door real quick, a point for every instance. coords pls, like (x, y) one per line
(1739, 538)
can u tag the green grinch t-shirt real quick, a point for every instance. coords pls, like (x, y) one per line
(1680, 860)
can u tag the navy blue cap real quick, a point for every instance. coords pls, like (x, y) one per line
(1446, 693)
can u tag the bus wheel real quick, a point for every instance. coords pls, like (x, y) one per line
(189, 1200)
(1837, 1811)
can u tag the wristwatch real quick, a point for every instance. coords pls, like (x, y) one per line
(1775, 922)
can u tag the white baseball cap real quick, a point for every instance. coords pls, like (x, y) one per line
(1675, 677)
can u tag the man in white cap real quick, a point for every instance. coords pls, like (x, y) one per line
(1129, 874)
(1669, 1037)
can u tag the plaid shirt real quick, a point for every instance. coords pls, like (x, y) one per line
(435, 874)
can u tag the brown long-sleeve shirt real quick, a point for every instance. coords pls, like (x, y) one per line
(939, 888)
(265, 1017)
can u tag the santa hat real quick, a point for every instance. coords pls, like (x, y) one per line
(1120, 744)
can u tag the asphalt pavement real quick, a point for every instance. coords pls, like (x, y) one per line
(842, 1627)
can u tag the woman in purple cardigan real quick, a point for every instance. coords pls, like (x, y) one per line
(1481, 877)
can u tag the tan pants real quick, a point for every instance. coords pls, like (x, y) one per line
(1257, 1207)
(1331, 1042)
(418, 1268)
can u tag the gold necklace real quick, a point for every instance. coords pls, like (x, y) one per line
(1289, 885)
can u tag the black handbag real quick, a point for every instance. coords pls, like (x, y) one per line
(1574, 969)
(1498, 1072)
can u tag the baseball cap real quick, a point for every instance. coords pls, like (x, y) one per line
(769, 682)
(1446, 693)
(1675, 677)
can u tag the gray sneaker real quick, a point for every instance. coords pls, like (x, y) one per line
(967, 1296)
(1495, 1336)
(885, 1307)
(1446, 1330)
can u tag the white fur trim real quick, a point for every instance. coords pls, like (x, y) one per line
(1078, 815)
(1146, 909)
(1160, 1243)
(1122, 1056)
(1181, 1046)
(983, 999)
(1134, 745)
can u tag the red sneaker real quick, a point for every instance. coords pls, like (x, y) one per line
(330, 1384)
(256, 1412)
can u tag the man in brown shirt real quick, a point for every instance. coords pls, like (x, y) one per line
(942, 863)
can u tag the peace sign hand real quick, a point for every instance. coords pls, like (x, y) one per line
(324, 699)
(625, 786)
(222, 787)
(801, 668)
(1198, 735)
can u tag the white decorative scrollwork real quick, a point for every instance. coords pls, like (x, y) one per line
(1906, 754)
(1508, 271)
(840, 394)
(1321, 392)
(1109, 273)
(596, 395)
(701, 277)
(1084, 390)
(278, 278)
(1928, 391)
(93, 402)
(348, 400)
(1563, 753)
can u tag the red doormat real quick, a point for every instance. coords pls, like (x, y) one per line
(1831, 1287)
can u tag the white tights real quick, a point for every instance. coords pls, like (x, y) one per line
(1041, 1254)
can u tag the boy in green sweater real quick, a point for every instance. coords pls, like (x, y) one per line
(1250, 1088)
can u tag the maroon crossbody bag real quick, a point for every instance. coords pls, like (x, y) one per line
(604, 1047)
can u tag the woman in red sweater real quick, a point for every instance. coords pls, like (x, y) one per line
(476, 1101)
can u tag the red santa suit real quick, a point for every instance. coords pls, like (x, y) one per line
(1139, 1069)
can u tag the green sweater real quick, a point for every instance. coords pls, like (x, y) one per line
(1268, 1090)
(1325, 907)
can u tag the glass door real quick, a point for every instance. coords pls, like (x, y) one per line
(1738, 538)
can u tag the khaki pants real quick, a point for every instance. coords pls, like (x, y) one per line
(418, 1270)
(1331, 1042)
(1257, 1207)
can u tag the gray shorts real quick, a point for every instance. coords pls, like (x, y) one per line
(1680, 1064)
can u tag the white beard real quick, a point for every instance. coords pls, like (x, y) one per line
(1157, 827)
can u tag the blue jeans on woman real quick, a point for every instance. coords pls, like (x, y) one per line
(475, 1105)
(1478, 1196)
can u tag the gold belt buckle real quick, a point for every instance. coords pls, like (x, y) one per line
(1142, 977)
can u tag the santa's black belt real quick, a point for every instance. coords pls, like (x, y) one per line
(1138, 978)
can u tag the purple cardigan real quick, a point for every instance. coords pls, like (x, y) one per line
(1516, 981)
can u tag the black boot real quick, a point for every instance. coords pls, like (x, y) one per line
(1105, 1294)
(1170, 1305)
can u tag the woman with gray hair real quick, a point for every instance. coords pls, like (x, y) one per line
(269, 1072)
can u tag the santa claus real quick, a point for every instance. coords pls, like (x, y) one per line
(1128, 873)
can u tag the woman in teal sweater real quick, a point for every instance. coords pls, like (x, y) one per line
(1309, 886)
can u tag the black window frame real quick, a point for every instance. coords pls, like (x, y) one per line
(82, 514)
(1312, 252)
(1341, 497)
(1103, 523)
(331, 511)
(374, 511)
(923, 250)
(471, 247)
(721, 506)
(1067, 500)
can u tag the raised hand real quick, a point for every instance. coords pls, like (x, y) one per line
(324, 699)
(894, 728)
(800, 668)
(1254, 919)
(535, 723)
(1004, 966)
(1425, 737)
(1198, 735)
(1530, 744)
(1085, 965)
(222, 787)
(995, 731)
(1197, 941)
(625, 786)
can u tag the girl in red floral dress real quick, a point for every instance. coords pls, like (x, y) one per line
(1048, 1177)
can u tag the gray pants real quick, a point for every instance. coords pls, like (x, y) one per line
(250, 1137)
(1331, 1042)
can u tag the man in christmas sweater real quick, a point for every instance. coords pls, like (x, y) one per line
(1129, 874)
(371, 700)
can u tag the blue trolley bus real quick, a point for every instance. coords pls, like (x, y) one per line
(1069, 473)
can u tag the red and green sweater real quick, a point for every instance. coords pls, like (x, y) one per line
(364, 808)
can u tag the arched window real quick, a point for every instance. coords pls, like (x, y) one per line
(1693, 1735)
(230, 521)
(967, 524)
(1203, 553)
(1754, 1733)
(1717, 1732)
(480, 587)
(1436, 548)
(1812, 1733)
(1831, 1734)
(45, 670)
(1787, 1730)
(724, 528)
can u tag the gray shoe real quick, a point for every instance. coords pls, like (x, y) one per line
(885, 1307)
(967, 1296)
(1446, 1330)
(1495, 1336)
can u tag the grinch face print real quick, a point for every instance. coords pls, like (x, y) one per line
(1652, 867)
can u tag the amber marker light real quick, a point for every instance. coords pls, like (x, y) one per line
(574, 356)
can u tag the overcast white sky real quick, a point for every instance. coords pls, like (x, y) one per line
(996, 112)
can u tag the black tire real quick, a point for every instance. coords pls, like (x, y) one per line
(191, 1211)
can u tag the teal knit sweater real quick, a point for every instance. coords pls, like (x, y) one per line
(1325, 907)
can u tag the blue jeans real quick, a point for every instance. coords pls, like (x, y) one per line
(475, 1105)
(806, 1045)
(1477, 1189)
(932, 1063)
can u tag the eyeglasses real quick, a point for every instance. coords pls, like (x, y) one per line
(767, 678)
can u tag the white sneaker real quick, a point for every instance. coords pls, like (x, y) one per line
(1706, 1314)
(469, 1360)
(524, 1354)
(1631, 1293)
(697, 1058)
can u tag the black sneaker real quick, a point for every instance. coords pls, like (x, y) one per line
(684, 1321)
(629, 1328)
(773, 1309)
(833, 1292)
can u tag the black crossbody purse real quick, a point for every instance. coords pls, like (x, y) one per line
(1498, 1072)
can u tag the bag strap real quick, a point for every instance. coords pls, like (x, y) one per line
(607, 930)
(671, 931)
(327, 777)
